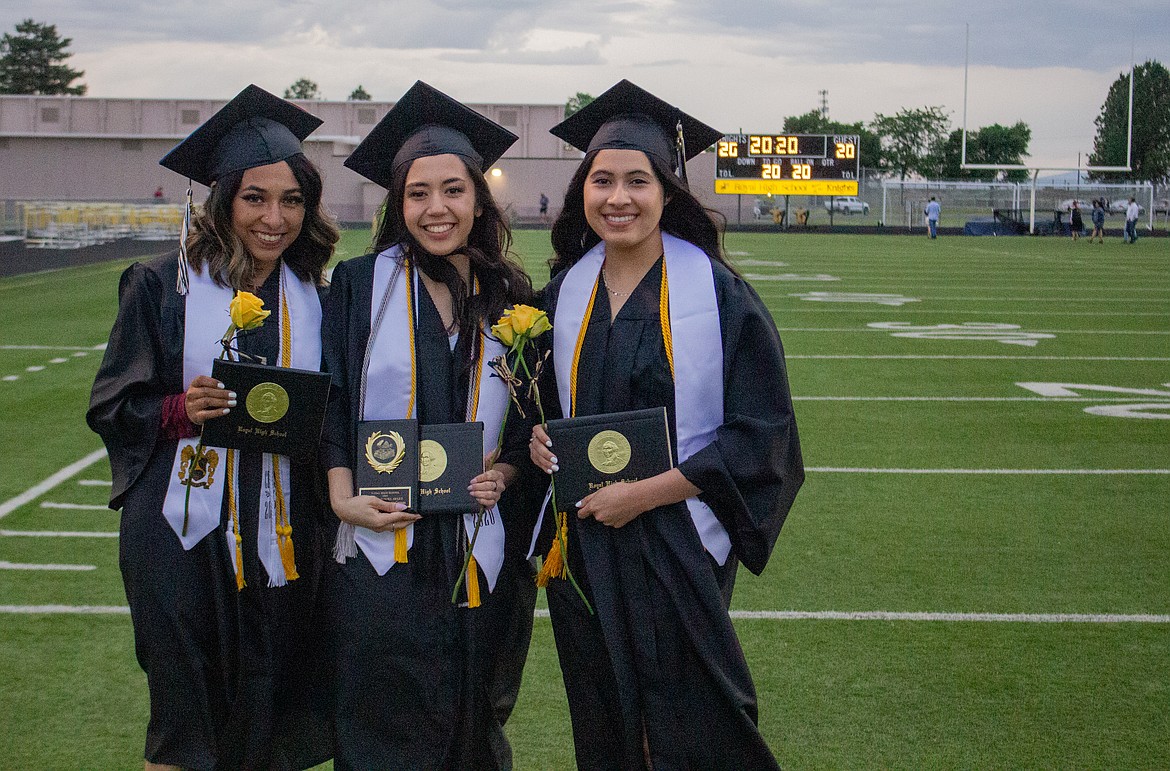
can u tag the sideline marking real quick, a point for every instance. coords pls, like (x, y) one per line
(886, 615)
(95, 482)
(27, 566)
(73, 506)
(51, 348)
(1033, 471)
(57, 533)
(1050, 399)
(1045, 331)
(912, 356)
(755, 615)
(36, 491)
(70, 609)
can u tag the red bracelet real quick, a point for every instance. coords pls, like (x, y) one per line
(175, 424)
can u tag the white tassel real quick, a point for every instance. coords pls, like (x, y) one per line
(345, 546)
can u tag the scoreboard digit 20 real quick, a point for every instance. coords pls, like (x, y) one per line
(788, 164)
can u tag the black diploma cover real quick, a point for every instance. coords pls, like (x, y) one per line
(278, 409)
(598, 450)
(387, 461)
(449, 456)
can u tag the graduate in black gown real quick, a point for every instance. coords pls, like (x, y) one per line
(228, 656)
(404, 337)
(646, 312)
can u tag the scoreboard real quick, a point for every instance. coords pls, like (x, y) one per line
(788, 164)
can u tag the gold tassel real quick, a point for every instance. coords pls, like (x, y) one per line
(287, 556)
(283, 526)
(472, 583)
(554, 563)
(239, 562)
(400, 545)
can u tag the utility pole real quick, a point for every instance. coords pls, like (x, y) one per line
(824, 103)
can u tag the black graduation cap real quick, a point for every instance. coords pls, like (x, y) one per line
(627, 117)
(255, 128)
(426, 122)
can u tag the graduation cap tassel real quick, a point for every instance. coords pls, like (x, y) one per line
(680, 150)
(182, 281)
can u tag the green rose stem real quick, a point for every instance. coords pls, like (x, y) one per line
(561, 544)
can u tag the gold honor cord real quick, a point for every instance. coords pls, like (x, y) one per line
(235, 517)
(283, 523)
(400, 545)
(664, 318)
(577, 349)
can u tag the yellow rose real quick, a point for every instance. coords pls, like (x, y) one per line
(247, 311)
(528, 321)
(503, 332)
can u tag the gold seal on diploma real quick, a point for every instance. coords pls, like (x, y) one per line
(385, 451)
(267, 402)
(432, 460)
(609, 452)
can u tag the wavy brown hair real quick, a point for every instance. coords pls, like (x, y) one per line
(502, 281)
(683, 216)
(213, 243)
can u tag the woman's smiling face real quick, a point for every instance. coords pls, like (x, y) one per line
(438, 203)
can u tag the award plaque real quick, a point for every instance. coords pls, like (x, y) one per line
(598, 450)
(278, 409)
(387, 461)
(449, 456)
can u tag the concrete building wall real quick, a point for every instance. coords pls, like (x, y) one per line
(82, 148)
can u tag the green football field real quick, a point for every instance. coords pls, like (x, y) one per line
(976, 574)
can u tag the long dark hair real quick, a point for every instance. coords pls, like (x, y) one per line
(214, 244)
(502, 282)
(683, 216)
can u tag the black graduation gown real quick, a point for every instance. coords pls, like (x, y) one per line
(661, 655)
(413, 669)
(230, 673)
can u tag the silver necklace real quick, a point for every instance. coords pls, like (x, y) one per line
(605, 277)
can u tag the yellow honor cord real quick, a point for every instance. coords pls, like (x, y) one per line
(283, 523)
(577, 348)
(400, 545)
(235, 518)
(664, 319)
(472, 583)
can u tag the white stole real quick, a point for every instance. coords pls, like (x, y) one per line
(388, 387)
(205, 302)
(697, 350)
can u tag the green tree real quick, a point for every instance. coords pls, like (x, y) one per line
(813, 122)
(359, 94)
(1151, 126)
(303, 89)
(33, 62)
(912, 140)
(1006, 145)
(577, 102)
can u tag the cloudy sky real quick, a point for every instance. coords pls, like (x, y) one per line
(736, 65)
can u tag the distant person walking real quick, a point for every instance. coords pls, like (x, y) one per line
(1098, 221)
(1131, 218)
(1076, 224)
(543, 207)
(932, 212)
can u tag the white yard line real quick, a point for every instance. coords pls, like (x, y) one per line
(31, 566)
(759, 615)
(885, 615)
(1007, 471)
(1095, 399)
(67, 609)
(1046, 331)
(51, 347)
(976, 357)
(56, 534)
(36, 491)
(95, 482)
(73, 506)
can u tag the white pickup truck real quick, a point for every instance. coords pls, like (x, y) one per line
(847, 204)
